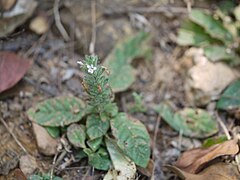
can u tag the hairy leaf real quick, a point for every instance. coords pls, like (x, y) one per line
(191, 122)
(119, 61)
(96, 127)
(132, 137)
(53, 131)
(57, 112)
(77, 135)
(212, 26)
(191, 33)
(216, 53)
(100, 159)
(94, 144)
(230, 99)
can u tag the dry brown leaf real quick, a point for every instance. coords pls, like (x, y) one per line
(193, 160)
(219, 171)
(12, 69)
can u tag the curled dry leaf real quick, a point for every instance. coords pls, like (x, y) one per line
(12, 69)
(219, 171)
(192, 161)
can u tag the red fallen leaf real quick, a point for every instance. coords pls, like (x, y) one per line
(12, 69)
(192, 161)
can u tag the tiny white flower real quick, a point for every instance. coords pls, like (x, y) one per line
(90, 71)
(80, 62)
(91, 68)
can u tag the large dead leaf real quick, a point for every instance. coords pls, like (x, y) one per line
(219, 171)
(12, 69)
(192, 161)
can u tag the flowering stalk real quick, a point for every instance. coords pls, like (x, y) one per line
(95, 83)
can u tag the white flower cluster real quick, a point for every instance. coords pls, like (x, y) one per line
(90, 68)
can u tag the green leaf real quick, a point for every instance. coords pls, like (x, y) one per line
(94, 144)
(60, 111)
(192, 34)
(119, 60)
(216, 53)
(212, 26)
(214, 140)
(43, 177)
(99, 160)
(132, 137)
(110, 110)
(123, 165)
(77, 135)
(53, 131)
(138, 105)
(230, 99)
(96, 127)
(226, 7)
(80, 154)
(190, 122)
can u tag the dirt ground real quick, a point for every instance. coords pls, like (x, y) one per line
(54, 72)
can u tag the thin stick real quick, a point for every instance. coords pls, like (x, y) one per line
(161, 9)
(53, 165)
(58, 21)
(14, 136)
(154, 143)
(223, 126)
(155, 135)
(93, 39)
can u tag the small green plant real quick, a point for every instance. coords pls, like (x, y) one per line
(43, 177)
(138, 105)
(96, 127)
(217, 33)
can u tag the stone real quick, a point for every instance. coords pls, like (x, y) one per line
(46, 144)
(206, 80)
(28, 164)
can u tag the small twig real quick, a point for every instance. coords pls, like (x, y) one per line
(180, 139)
(14, 136)
(53, 165)
(93, 39)
(189, 5)
(223, 126)
(161, 9)
(154, 144)
(85, 175)
(58, 21)
(155, 135)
